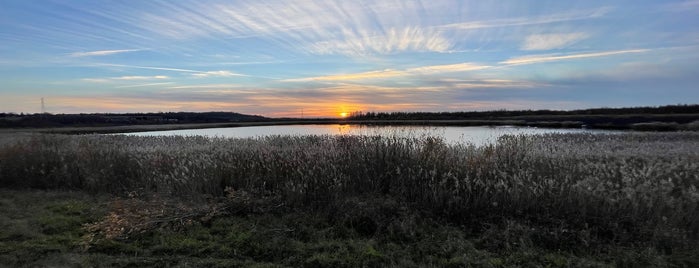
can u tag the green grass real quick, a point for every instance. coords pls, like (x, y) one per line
(46, 230)
(41, 226)
(551, 201)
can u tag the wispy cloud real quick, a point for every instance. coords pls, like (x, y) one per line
(124, 78)
(355, 76)
(195, 73)
(96, 80)
(459, 67)
(433, 69)
(206, 86)
(138, 104)
(489, 83)
(551, 41)
(137, 77)
(102, 52)
(315, 27)
(547, 58)
(149, 68)
(386, 55)
(217, 74)
(393, 41)
(286, 105)
(521, 21)
(146, 85)
(337, 27)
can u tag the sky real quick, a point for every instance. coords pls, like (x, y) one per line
(322, 58)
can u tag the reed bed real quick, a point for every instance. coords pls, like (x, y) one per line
(580, 190)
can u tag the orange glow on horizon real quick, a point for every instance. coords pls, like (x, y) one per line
(269, 106)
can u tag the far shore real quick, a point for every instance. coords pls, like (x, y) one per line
(165, 127)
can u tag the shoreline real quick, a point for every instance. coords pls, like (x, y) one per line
(462, 123)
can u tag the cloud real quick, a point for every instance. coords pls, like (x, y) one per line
(331, 27)
(96, 80)
(217, 74)
(146, 85)
(280, 105)
(337, 27)
(459, 67)
(449, 94)
(355, 76)
(393, 41)
(207, 86)
(531, 59)
(489, 83)
(137, 104)
(551, 41)
(140, 77)
(102, 52)
(314, 27)
(195, 73)
(433, 69)
(522, 21)
(150, 68)
(124, 78)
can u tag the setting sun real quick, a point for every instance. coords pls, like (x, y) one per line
(344, 114)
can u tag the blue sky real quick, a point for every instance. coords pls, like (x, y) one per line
(277, 58)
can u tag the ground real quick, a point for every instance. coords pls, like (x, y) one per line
(46, 228)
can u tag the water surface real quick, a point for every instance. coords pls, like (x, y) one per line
(451, 134)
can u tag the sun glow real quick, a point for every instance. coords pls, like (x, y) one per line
(344, 114)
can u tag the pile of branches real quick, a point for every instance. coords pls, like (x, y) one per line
(137, 214)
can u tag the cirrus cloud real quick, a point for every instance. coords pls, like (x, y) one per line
(551, 41)
(102, 52)
(222, 73)
(531, 59)
(432, 69)
(392, 41)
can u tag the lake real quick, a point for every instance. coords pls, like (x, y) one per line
(451, 134)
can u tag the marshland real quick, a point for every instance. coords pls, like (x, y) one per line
(554, 200)
(334, 133)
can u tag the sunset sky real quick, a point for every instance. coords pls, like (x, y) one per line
(325, 57)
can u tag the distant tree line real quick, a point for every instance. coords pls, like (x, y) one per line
(485, 115)
(663, 118)
(671, 117)
(96, 119)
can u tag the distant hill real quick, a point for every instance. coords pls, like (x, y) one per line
(9, 120)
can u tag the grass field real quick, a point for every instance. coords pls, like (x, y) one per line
(340, 201)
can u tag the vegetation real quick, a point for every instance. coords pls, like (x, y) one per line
(9, 120)
(663, 118)
(669, 109)
(320, 201)
(669, 118)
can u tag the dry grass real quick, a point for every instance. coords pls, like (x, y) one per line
(572, 191)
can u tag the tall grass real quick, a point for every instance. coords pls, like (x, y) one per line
(634, 188)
